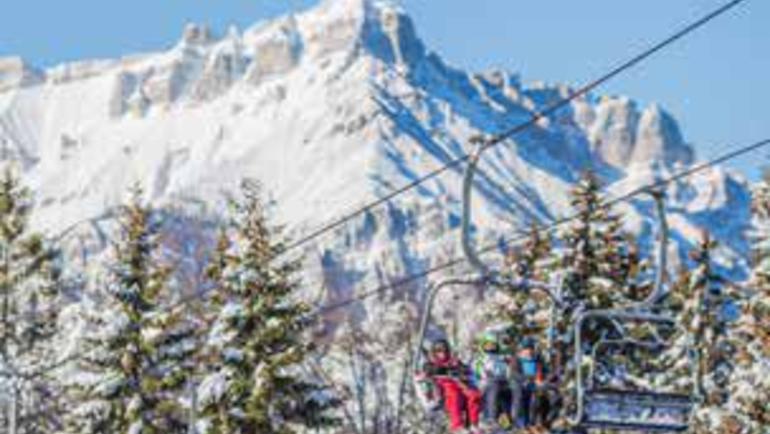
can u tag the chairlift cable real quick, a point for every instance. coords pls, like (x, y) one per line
(567, 219)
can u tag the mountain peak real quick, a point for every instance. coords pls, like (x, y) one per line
(15, 72)
(659, 138)
(621, 134)
(356, 7)
(196, 34)
(381, 28)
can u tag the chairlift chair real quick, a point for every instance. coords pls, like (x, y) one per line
(623, 408)
(597, 408)
(431, 401)
(632, 409)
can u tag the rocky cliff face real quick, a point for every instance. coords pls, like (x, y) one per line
(329, 109)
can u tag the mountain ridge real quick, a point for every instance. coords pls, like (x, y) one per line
(331, 108)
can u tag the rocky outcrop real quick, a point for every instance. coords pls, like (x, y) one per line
(621, 136)
(15, 73)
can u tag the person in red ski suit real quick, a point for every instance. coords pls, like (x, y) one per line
(451, 377)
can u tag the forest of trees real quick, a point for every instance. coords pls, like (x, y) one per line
(141, 353)
(241, 363)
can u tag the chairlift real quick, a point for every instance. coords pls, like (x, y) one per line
(627, 409)
(612, 409)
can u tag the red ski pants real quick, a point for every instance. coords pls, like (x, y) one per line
(458, 399)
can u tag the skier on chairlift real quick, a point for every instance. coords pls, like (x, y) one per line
(530, 382)
(462, 401)
(493, 374)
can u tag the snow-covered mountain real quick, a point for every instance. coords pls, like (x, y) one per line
(329, 109)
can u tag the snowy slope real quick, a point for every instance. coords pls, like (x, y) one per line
(329, 109)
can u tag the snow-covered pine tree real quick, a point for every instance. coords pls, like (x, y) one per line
(598, 263)
(598, 258)
(674, 364)
(750, 383)
(137, 352)
(29, 285)
(526, 312)
(706, 299)
(259, 338)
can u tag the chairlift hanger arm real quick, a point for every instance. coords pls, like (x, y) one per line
(470, 173)
(492, 277)
(662, 259)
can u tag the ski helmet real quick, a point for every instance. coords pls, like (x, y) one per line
(528, 343)
(440, 345)
(488, 340)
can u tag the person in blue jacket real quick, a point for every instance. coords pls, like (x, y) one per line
(530, 372)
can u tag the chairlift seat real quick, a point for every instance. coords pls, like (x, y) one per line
(637, 410)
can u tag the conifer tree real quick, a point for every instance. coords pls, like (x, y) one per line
(526, 312)
(705, 304)
(598, 263)
(598, 258)
(750, 383)
(29, 285)
(259, 337)
(705, 317)
(137, 352)
(675, 364)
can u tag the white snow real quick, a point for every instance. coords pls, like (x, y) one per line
(212, 388)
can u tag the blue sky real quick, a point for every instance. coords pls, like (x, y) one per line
(716, 82)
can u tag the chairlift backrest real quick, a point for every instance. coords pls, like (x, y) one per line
(621, 408)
